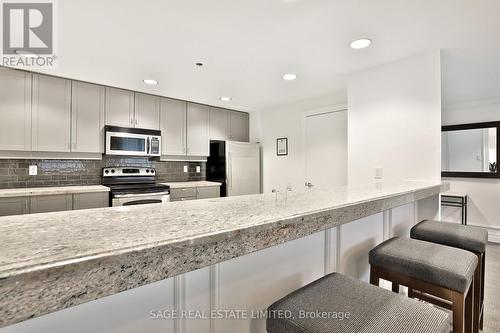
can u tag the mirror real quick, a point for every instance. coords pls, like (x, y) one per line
(470, 150)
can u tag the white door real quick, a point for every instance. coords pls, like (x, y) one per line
(147, 111)
(173, 127)
(198, 142)
(326, 149)
(243, 168)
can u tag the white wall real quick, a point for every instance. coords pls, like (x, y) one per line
(483, 193)
(395, 120)
(280, 172)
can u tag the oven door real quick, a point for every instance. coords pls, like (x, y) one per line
(140, 199)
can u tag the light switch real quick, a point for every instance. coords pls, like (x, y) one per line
(185, 168)
(378, 173)
(198, 169)
(33, 170)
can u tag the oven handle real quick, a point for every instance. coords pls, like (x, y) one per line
(140, 195)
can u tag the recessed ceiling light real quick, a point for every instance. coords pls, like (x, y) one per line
(26, 54)
(361, 43)
(150, 81)
(225, 99)
(289, 77)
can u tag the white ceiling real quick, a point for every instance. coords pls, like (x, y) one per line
(246, 45)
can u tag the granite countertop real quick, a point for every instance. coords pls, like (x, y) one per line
(33, 191)
(56, 260)
(201, 183)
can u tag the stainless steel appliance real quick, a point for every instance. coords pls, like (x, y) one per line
(134, 186)
(132, 141)
(236, 165)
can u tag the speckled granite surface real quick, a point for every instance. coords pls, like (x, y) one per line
(201, 183)
(33, 191)
(53, 261)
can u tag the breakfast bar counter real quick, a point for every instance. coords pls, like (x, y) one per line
(54, 261)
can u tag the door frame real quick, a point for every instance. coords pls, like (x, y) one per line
(311, 113)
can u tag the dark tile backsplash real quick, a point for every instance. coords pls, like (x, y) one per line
(14, 173)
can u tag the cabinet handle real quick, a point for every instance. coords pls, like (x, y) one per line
(136, 122)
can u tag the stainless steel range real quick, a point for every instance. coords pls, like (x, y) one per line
(134, 186)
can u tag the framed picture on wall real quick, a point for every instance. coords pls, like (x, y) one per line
(282, 146)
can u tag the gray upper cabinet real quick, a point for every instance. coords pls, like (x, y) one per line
(197, 119)
(173, 127)
(238, 126)
(15, 109)
(90, 200)
(51, 113)
(147, 111)
(51, 203)
(119, 107)
(87, 117)
(14, 206)
(219, 124)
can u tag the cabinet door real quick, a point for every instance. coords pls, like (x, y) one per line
(239, 126)
(50, 203)
(14, 206)
(147, 111)
(173, 127)
(197, 119)
(219, 124)
(15, 110)
(119, 107)
(90, 200)
(87, 117)
(51, 107)
(208, 192)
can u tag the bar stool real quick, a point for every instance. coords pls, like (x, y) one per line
(444, 272)
(336, 303)
(465, 237)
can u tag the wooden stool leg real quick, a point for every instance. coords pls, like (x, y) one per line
(395, 288)
(483, 265)
(469, 309)
(458, 309)
(374, 279)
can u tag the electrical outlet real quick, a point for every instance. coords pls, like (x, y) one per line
(185, 168)
(198, 169)
(33, 170)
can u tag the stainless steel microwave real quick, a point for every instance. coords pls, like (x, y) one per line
(132, 141)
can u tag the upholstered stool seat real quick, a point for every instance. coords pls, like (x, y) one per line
(426, 261)
(336, 303)
(443, 274)
(461, 236)
(473, 239)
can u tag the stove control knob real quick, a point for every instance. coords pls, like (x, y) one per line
(152, 171)
(106, 171)
(112, 170)
(147, 170)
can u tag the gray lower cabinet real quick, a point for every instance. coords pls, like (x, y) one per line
(90, 200)
(50, 203)
(15, 110)
(14, 206)
(53, 203)
(119, 107)
(208, 192)
(51, 114)
(173, 127)
(197, 119)
(193, 193)
(239, 126)
(87, 117)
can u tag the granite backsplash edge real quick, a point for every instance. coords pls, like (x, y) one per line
(53, 172)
